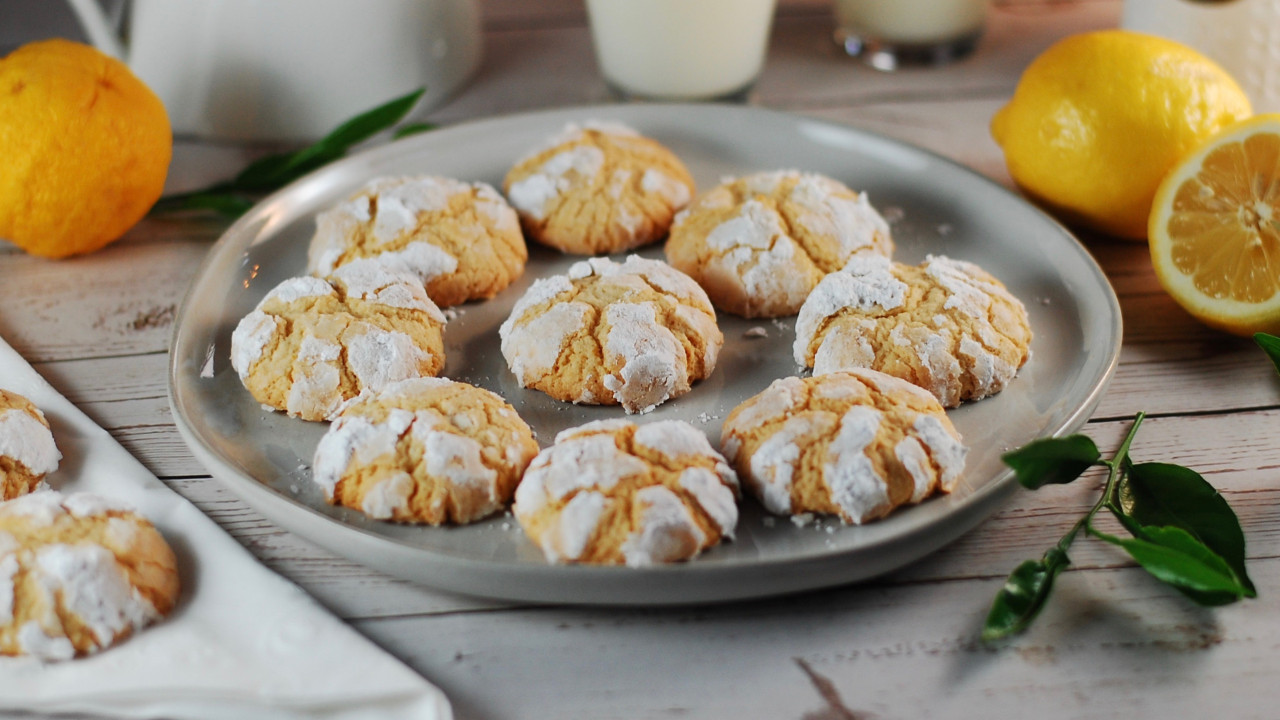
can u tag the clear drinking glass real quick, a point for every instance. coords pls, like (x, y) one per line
(888, 34)
(681, 49)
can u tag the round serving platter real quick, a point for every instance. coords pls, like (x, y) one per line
(936, 207)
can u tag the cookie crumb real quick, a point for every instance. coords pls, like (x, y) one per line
(756, 332)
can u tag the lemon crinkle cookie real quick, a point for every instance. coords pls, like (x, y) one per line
(78, 573)
(314, 343)
(945, 325)
(598, 188)
(27, 449)
(855, 444)
(760, 243)
(613, 492)
(462, 240)
(635, 334)
(426, 450)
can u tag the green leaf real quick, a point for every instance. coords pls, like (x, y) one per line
(1270, 344)
(1023, 595)
(412, 129)
(229, 204)
(1052, 460)
(1174, 557)
(275, 171)
(1166, 495)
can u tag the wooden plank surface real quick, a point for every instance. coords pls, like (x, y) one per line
(1112, 644)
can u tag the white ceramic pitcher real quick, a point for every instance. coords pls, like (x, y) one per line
(288, 69)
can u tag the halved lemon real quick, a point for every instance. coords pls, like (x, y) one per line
(1215, 229)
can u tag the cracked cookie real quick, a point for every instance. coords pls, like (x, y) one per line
(634, 334)
(314, 343)
(78, 573)
(760, 243)
(945, 325)
(599, 188)
(613, 492)
(27, 449)
(462, 240)
(856, 444)
(426, 450)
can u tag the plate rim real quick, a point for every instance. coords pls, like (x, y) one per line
(675, 580)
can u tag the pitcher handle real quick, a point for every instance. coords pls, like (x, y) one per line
(98, 27)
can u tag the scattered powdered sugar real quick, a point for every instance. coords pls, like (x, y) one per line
(665, 530)
(650, 360)
(92, 585)
(855, 486)
(250, 338)
(577, 165)
(947, 451)
(25, 439)
(713, 496)
(387, 496)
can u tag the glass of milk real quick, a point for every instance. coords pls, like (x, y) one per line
(888, 34)
(681, 49)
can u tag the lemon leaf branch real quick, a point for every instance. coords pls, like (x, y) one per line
(1184, 533)
(233, 197)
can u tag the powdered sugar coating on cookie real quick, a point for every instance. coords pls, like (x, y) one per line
(600, 187)
(647, 333)
(77, 574)
(426, 450)
(760, 243)
(462, 240)
(27, 449)
(856, 444)
(312, 344)
(945, 325)
(616, 493)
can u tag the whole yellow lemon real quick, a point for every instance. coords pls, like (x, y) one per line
(84, 148)
(1099, 118)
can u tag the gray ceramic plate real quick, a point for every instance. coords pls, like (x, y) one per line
(939, 207)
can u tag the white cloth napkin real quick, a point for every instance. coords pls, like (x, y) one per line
(242, 643)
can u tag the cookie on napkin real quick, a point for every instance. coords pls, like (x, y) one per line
(27, 449)
(78, 573)
(613, 492)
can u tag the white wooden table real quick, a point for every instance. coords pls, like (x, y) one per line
(1113, 642)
